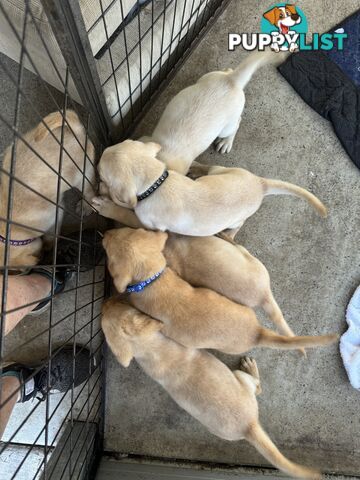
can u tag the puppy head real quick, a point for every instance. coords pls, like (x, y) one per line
(134, 255)
(124, 326)
(55, 120)
(122, 169)
(283, 17)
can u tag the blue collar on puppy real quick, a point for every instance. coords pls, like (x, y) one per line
(153, 187)
(139, 287)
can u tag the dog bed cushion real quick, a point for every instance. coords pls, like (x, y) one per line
(330, 83)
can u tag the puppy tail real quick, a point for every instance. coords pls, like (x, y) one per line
(55, 120)
(268, 338)
(277, 187)
(262, 442)
(243, 73)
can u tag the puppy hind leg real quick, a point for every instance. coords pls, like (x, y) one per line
(224, 142)
(249, 374)
(224, 145)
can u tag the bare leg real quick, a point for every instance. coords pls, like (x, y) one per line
(249, 374)
(23, 290)
(8, 385)
(107, 208)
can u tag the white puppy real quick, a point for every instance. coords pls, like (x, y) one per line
(208, 111)
(221, 200)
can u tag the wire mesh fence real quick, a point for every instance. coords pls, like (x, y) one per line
(136, 57)
(75, 76)
(51, 264)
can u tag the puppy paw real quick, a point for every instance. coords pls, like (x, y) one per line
(103, 205)
(249, 365)
(224, 145)
(293, 47)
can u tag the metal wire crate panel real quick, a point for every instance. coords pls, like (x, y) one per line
(50, 438)
(138, 44)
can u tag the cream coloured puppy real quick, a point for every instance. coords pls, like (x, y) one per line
(224, 401)
(37, 166)
(221, 200)
(206, 112)
(214, 263)
(195, 317)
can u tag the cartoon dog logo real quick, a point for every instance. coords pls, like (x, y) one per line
(283, 18)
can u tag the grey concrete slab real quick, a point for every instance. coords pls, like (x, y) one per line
(307, 406)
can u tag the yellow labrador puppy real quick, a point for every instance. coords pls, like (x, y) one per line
(195, 317)
(222, 200)
(222, 400)
(206, 112)
(214, 263)
(37, 164)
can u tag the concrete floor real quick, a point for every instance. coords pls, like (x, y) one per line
(307, 406)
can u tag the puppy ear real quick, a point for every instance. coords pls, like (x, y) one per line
(291, 8)
(271, 15)
(125, 195)
(131, 196)
(122, 274)
(123, 352)
(115, 336)
(122, 281)
(118, 343)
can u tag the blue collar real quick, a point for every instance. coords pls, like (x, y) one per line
(139, 287)
(154, 186)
